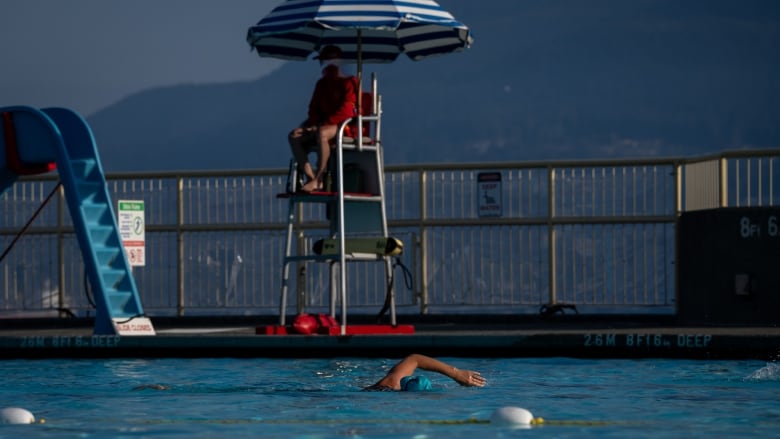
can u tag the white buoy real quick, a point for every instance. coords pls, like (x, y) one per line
(514, 416)
(16, 415)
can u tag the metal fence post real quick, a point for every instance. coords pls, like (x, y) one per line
(551, 232)
(423, 243)
(724, 182)
(180, 246)
(61, 246)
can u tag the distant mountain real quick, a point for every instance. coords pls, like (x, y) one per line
(544, 79)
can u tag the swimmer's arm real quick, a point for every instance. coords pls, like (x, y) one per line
(462, 377)
(405, 367)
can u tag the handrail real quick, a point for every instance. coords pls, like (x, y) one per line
(548, 245)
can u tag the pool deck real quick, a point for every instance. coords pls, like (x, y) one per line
(469, 336)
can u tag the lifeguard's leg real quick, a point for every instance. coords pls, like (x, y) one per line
(298, 139)
(326, 134)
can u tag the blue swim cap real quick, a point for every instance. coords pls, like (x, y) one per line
(415, 383)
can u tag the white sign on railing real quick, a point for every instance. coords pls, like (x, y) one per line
(489, 193)
(132, 231)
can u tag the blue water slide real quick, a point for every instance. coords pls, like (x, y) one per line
(29, 141)
(62, 136)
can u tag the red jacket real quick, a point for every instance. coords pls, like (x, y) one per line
(334, 99)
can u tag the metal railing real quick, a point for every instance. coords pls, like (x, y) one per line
(599, 234)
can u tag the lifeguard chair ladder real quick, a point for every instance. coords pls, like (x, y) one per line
(357, 215)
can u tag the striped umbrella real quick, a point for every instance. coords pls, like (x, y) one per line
(365, 30)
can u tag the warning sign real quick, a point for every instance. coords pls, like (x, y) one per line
(489, 193)
(134, 326)
(132, 230)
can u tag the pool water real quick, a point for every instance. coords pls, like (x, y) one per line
(317, 398)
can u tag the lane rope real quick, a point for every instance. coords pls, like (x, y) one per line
(469, 421)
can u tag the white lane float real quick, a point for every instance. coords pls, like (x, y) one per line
(514, 416)
(16, 415)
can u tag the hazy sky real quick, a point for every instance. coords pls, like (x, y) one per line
(87, 54)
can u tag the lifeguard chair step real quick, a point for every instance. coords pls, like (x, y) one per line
(380, 246)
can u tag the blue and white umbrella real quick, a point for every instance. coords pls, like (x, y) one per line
(365, 30)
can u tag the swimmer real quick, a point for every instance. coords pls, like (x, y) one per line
(400, 376)
(152, 387)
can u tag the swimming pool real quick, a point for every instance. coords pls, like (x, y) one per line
(316, 398)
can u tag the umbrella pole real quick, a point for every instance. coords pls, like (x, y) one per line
(342, 256)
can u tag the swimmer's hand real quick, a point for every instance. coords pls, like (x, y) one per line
(470, 378)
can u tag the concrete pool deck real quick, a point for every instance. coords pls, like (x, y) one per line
(483, 336)
(462, 337)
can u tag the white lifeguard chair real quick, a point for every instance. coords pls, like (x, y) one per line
(354, 196)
